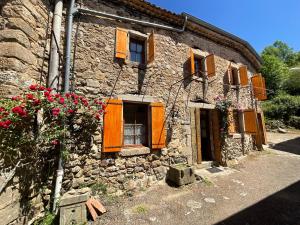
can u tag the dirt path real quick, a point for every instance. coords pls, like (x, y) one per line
(263, 189)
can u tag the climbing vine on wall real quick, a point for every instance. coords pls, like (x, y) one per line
(223, 104)
(39, 120)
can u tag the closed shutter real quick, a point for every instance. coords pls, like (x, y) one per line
(192, 62)
(231, 126)
(243, 75)
(250, 122)
(158, 131)
(121, 43)
(216, 135)
(210, 65)
(151, 48)
(113, 126)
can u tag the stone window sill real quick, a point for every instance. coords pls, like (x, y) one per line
(199, 79)
(134, 151)
(235, 135)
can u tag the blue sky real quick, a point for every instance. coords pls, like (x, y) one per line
(260, 22)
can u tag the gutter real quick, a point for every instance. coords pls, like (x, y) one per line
(225, 33)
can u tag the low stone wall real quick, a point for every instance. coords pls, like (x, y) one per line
(122, 174)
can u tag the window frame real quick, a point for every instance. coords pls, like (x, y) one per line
(139, 37)
(147, 126)
(235, 77)
(201, 59)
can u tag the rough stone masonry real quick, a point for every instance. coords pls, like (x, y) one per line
(25, 30)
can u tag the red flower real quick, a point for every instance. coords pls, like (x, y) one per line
(20, 111)
(97, 116)
(37, 101)
(100, 111)
(2, 109)
(70, 111)
(33, 87)
(5, 124)
(49, 89)
(75, 101)
(55, 111)
(16, 98)
(42, 88)
(68, 95)
(50, 99)
(61, 100)
(55, 142)
(47, 94)
(103, 107)
(30, 96)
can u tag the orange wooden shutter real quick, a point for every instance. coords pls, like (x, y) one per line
(264, 96)
(243, 75)
(113, 126)
(259, 88)
(121, 43)
(192, 61)
(250, 121)
(158, 125)
(210, 65)
(231, 127)
(151, 48)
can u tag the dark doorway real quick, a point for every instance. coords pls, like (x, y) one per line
(205, 136)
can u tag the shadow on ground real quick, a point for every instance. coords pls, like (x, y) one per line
(291, 146)
(281, 208)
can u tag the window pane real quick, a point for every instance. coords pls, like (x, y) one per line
(132, 46)
(138, 57)
(133, 56)
(129, 129)
(139, 48)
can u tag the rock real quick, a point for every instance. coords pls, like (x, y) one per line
(84, 190)
(76, 169)
(130, 185)
(138, 169)
(281, 130)
(15, 50)
(194, 204)
(210, 200)
(79, 174)
(156, 163)
(104, 163)
(112, 169)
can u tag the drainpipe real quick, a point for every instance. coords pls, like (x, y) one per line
(60, 169)
(55, 41)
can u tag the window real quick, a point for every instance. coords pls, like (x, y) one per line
(199, 66)
(137, 50)
(234, 122)
(234, 76)
(135, 124)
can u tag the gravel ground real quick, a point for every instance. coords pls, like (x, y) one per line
(264, 188)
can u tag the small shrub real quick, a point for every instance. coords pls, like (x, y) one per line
(48, 219)
(99, 188)
(141, 209)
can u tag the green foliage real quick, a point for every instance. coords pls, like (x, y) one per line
(295, 121)
(99, 188)
(223, 104)
(141, 209)
(292, 83)
(48, 219)
(275, 72)
(282, 107)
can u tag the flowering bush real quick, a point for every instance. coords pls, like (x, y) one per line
(223, 104)
(40, 118)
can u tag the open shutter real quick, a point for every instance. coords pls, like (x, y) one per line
(151, 48)
(113, 126)
(259, 87)
(121, 43)
(243, 75)
(250, 122)
(192, 61)
(158, 125)
(231, 127)
(210, 65)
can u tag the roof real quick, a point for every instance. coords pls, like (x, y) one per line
(200, 27)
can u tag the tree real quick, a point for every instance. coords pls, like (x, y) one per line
(292, 82)
(283, 52)
(275, 72)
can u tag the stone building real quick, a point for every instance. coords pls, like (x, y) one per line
(161, 75)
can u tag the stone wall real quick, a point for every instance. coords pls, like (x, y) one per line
(98, 73)
(24, 48)
(24, 27)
